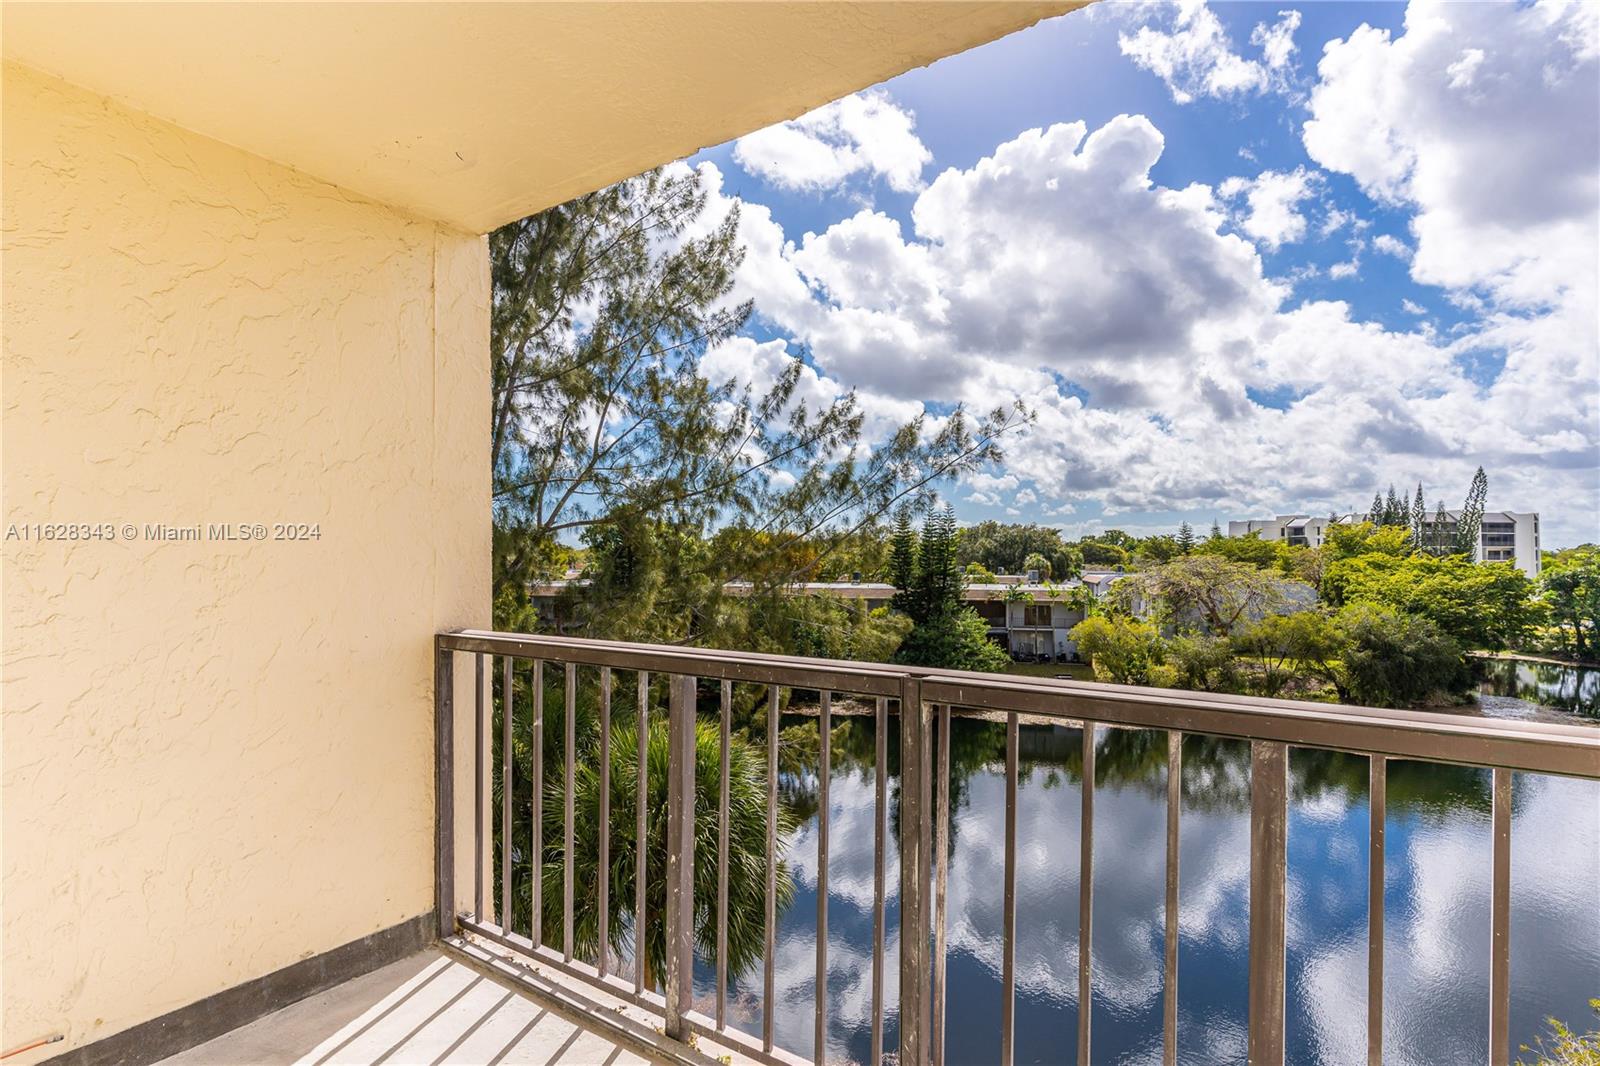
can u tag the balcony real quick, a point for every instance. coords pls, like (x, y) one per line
(240, 774)
(681, 696)
(265, 305)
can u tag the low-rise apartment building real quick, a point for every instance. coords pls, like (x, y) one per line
(1031, 628)
(1504, 536)
(1297, 530)
(1030, 619)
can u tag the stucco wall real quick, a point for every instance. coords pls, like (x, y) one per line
(217, 755)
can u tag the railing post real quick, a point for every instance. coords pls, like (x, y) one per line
(680, 854)
(444, 806)
(1500, 922)
(915, 868)
(940, 857)
(1269, 824)
(480, 784)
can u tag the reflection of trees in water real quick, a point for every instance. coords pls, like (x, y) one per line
(1216, 770)
(1572, 688)
(1216, 774)
(1426, 789)
(1216, 779)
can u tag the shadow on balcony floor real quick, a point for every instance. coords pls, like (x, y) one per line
(421, 1011)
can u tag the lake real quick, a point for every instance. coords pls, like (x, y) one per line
(1437, 902)
(1518, 688)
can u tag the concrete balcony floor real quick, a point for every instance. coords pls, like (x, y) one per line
(430, 1010)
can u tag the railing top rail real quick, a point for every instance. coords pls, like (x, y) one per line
(1572, 750)
(868, 679)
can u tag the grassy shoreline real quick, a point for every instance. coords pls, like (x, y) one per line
(1530, 657)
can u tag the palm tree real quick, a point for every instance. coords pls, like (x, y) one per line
(747, 836)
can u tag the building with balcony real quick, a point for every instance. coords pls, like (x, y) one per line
(1505, 536)
(1030, 619)
(1295, 530)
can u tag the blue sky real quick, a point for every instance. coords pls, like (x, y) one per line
(1239, 258)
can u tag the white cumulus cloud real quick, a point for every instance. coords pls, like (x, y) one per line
(1193, 55)
(1485, 119)
(1273, 216)
(1391, 245)
(1167, 368)
(862, 133)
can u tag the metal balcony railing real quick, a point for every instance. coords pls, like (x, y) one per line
(933, 696)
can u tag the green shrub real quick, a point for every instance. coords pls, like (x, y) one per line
(1120, 649)
(1203, 663)
(954, 640)
(1390, 659)
(1287, 648)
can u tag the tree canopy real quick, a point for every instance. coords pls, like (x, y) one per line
(1570, 583)
(929, 580)
(1249, 548)
(1005, 548)
(1098, 552)
(1207, 592)
(1479, 605)
(606, 429)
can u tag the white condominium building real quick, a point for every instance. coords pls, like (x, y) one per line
(1297, 530)
(1505, 536)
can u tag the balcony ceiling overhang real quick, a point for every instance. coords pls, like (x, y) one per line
(476, 114)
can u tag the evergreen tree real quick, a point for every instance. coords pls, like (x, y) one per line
(1216, 530)
(1394, 510)
(1419, 517)
(903, 560)
(1471, 523)
(1439, 542)
(1186, 538)
(945, 631)
(939, 581)
(1375, 513)
(603, 416)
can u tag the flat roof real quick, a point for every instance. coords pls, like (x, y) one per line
(867, 590)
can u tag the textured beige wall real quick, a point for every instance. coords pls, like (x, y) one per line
(217, 756)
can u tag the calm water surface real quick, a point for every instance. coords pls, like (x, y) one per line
(1437, 902)
(1513, 688)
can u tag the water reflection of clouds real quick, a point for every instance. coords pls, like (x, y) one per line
(852, 799)
(850, 894)
(1129, 915)
(1437, 925)
(1437, 930)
